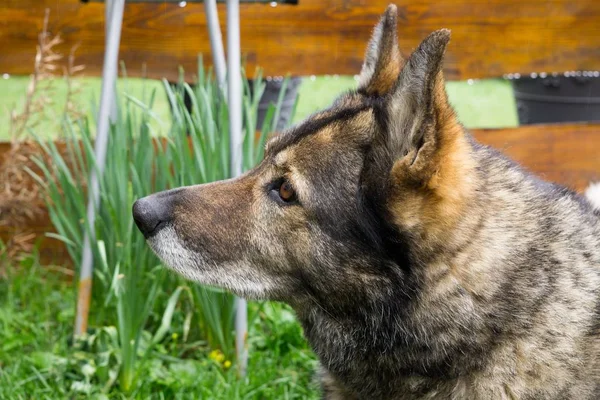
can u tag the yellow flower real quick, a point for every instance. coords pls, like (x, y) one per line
(227, 364)
(216, 355)
(174, 336)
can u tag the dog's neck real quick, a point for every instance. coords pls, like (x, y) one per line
(404, 334)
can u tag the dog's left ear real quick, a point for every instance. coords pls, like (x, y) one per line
(383, 62)
(421, 122)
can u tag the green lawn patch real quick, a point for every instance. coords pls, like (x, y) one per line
(480, 104)
(39, 361)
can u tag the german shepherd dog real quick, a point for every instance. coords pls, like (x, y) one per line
(421, 264)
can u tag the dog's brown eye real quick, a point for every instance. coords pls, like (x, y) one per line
(286, 192)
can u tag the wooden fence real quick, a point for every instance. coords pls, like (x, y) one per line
(489, 37)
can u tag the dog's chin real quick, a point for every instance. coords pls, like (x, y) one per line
(235, 277)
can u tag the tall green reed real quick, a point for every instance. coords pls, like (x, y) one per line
(141, 160)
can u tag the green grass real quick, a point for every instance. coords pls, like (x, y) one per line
(479, 104)
(482, 104)
(14, 88)
(37, 360)
(488, 103)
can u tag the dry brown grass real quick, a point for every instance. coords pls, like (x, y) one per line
(21, 198)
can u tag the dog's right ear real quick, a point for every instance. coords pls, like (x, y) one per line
(383, 61)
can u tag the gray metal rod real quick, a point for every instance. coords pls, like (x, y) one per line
(107, 99)
(216, 41)
(234, 88)
(108, 7)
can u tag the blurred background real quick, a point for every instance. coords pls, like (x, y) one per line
(523, 76)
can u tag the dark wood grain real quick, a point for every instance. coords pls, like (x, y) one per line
(489, 37)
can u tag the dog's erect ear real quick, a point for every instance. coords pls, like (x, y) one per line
(432, 178)
(421, 121)
(382, 60)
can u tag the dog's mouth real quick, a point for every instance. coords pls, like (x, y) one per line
(238, 277)
(170, 249)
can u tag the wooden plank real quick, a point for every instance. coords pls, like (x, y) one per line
(490, 37)
(564, 153)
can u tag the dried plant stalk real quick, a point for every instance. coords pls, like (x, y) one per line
(39, 91)
(72, 108)
(20, 196)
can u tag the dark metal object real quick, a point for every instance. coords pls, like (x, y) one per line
(550, 98)
(271, 95)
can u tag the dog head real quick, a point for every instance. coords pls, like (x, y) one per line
(342, 202)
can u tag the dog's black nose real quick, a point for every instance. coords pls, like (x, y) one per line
(151, 214)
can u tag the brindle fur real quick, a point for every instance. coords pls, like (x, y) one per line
(421, 264)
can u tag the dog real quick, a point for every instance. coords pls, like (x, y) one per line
(420, 263)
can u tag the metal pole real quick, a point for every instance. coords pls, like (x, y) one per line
(216, 41)
(107, 98)
(108, 7)
(234, 88)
